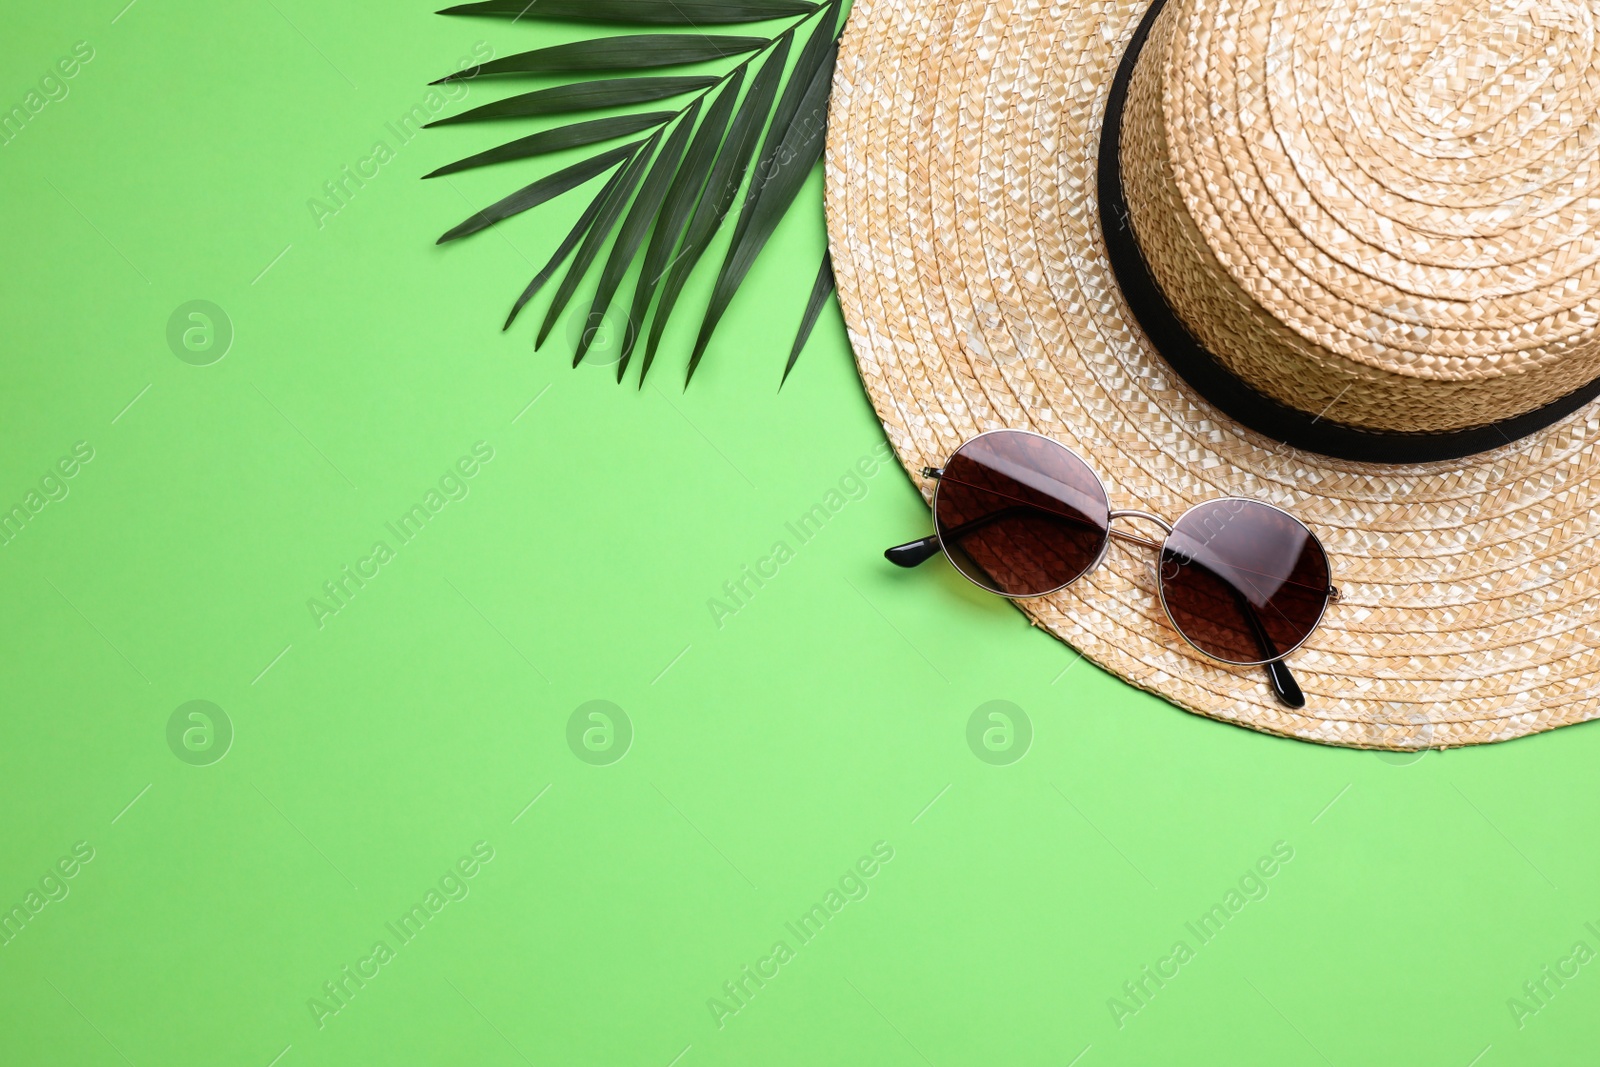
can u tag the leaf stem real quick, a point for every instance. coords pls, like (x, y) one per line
(830, 6)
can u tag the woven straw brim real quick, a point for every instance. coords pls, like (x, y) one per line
(964, 228)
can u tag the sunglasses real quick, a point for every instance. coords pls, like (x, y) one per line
(1021, 515)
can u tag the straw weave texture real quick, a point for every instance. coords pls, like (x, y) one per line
(964, 228)
(1380, 213)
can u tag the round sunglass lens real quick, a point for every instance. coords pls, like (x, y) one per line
(1019, 514)
(1243, 581)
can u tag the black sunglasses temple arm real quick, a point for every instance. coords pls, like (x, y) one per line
(915, 553)
(1284, 687)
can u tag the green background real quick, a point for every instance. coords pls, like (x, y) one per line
(767, 755)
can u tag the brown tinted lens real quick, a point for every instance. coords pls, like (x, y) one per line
(1243, 581)
(1019, 514)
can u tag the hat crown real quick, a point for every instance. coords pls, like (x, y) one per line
(1513, 39)
(1385, 213)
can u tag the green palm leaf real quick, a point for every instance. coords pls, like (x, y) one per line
(821, 289)
(640, 12)
(576, 135)
(681, 200)
(726, 177)
(770, 195)
(585, 221)
(540, 191)
(582, 96)
(637, 224)
(811, 58)
(604, 222)
(771, 135)
(637, 51)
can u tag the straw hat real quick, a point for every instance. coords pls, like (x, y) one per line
(1348, 266)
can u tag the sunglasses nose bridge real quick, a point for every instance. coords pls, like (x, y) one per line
(1135, 539)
